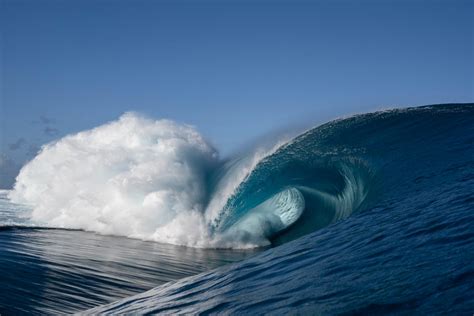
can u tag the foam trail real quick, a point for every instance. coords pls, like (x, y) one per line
(12, 214)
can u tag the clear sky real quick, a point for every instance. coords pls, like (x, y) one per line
(234, 69)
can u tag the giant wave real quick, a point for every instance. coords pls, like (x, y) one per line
(162, 181)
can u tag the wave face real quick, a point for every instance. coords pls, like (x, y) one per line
(408, 249)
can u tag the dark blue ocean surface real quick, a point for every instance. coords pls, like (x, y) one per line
(51, 271)
(372, 214)
(408, 248)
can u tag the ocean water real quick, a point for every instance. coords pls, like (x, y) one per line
(52, 271)
(371, 214)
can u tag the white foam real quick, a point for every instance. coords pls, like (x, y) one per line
(134, 177)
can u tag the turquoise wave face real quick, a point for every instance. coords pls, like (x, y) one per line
(328, 172)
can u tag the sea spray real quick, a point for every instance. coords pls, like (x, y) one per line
(133, 177)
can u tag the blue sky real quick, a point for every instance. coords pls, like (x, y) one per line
(234, 69)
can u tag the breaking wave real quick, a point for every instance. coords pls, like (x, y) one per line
(162, 181)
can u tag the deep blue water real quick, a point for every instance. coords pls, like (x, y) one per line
(51, 271)
(381, 210)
